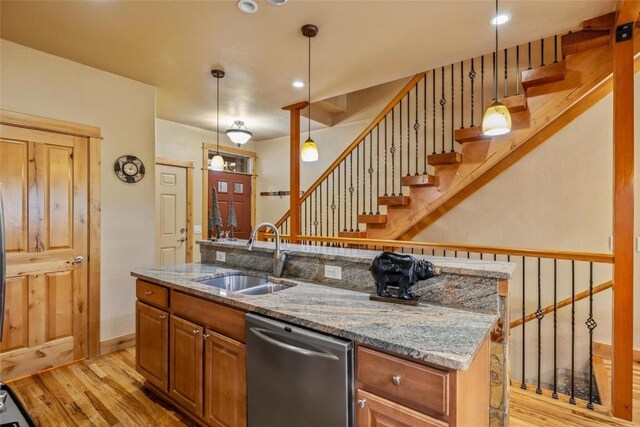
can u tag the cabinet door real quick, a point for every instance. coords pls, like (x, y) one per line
(374, 411)
(186, 364)
(152, 345)
(225, 381)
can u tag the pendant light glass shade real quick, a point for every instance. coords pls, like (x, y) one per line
(217, 163)
(496, 120)
(239, 134)
(309, 151)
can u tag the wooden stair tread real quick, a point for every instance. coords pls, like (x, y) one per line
(543, 75)
(372, 219)
(394, 200)
(515, 103)
(443, 159)
(419, 180)
(580, 41)
(470, 135)
(353, 234)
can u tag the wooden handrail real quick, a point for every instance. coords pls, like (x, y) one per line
(396, 99)
(565, 302)
(498, 250)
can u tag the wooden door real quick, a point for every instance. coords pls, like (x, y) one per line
(374, 411)
(186, 364)
(44, 177)
(152, 345)
(236, 187)
(225, 381)
(171, 206)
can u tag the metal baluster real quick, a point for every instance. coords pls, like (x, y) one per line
(378, 170)
(572, 400)
(385, 156)
(506, 83)
(357, 184)
(523, 385)
(424, 122)
(306, 223)
(529, 55)
(400, 145)
(472, 77)
(350, 191)
(364, 177)
(392, 150)
(433, 116)
(591, 325)
(315, 213)
(452, 106)
(518, 70)
(542, 52)
(555, 51)
(443, 102)
(555, 329)
(409, 135)
(461, 94)
(333, 203)
(320, 193)
(539, 316)
(345, 196)
(416, 128)
(481, 83)
(371, 173)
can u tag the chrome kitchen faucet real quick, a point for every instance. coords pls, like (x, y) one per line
(279, 256)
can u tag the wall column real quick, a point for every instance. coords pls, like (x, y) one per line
(294, 169)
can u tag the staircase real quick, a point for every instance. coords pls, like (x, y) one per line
(425, 152)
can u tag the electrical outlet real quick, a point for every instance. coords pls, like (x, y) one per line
(333, 272)
(197, 229)
(220, 256)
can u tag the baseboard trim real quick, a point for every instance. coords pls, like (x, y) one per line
(117, 343)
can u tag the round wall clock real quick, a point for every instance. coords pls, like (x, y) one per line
(129, 168)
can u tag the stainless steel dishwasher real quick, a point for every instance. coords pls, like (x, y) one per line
(296, 377)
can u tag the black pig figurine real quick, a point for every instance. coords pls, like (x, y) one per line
(403, 271)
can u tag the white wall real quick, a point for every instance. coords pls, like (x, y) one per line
(37, 83)
(181, 142)
(273, 165)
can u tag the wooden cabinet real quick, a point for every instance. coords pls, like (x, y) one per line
(374, 411)
(152, 345)
(225, 381)
(191, 354)
(185, 364)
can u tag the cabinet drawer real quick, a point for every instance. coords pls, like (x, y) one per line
(152, 294)
(414, 385)
(217, 317)
(374, 411)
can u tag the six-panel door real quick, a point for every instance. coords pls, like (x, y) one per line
(185, 370)
(152, 345)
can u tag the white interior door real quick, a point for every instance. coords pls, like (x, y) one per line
(171, 215)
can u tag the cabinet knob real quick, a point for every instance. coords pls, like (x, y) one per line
(196, 331)
(147, 293)
(362, 402)
(163, 316)
(205, 336)
(395, 379)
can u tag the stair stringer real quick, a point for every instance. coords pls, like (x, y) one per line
(552, 106)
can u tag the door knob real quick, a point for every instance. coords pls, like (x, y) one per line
(77, 260)
(182, 239)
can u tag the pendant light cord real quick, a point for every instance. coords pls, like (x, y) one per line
(218, 116)
(495, 61)
(309, 90)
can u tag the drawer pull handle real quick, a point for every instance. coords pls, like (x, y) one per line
(163, 316)
(147, 293)
(395, 379)
(362, 402)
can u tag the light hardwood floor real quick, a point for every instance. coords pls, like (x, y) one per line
(107, 391)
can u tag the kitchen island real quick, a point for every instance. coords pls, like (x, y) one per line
(441, 350)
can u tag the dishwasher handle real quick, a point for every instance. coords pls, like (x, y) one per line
(261, 333)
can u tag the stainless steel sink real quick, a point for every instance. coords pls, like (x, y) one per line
(268, 288)
(235, 283)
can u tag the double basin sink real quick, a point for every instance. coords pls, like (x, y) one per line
(244, 284)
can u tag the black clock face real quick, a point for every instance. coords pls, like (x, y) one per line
(129, 169)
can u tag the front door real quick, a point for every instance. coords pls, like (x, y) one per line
(171, 208)
(237, 187)
(44, 177)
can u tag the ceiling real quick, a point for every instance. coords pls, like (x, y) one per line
(174, 44)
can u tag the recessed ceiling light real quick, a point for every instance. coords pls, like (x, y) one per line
(500, 19)
(277, 2)
(247, 6)
(298, 84)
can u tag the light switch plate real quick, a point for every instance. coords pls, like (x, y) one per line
(197, 229)
(220, 256)
(333, 272)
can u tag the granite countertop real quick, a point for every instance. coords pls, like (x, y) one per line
(462, 266)
(445, 336)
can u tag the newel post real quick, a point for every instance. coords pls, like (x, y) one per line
(294, 169)
(623, 216)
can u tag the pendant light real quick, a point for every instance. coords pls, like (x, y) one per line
(496, 120)
(239, 134)
(309, 151)
(217, 163)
